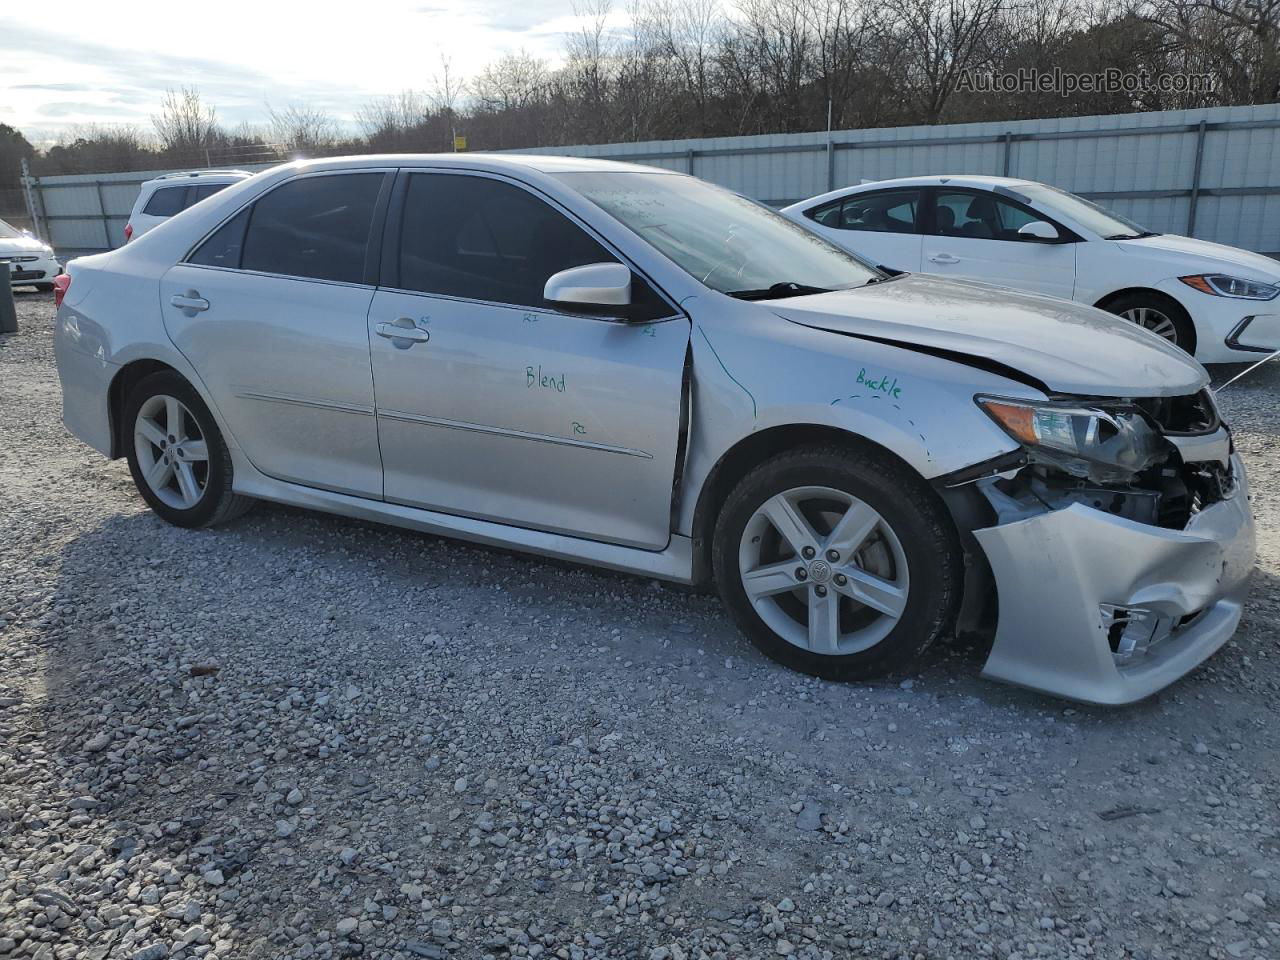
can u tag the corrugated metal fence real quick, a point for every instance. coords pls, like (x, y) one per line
(1212, 173)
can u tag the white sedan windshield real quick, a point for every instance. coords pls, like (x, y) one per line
(726, 241)
(1089, 215)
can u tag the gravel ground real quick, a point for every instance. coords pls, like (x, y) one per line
(302, 736)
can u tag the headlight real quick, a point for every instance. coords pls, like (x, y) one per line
(1220, 285)
(1102, 444)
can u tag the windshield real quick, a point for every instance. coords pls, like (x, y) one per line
(8, 232)
(726, 241)
(1089, 215)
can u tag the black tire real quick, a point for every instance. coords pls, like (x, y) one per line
(1184, 330)
(217, 503)
(918, 519)
(45, 287)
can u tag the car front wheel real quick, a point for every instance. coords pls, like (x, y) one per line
(840, 563)
(1162, 317)
(177, 456)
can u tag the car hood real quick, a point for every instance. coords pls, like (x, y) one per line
(1064, 346)
(1192, 255)
(10, 245)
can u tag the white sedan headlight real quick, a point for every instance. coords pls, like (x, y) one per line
(1220, 285)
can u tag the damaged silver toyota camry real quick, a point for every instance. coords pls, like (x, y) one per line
(631, 368)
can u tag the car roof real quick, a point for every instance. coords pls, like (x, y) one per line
(494, 162)
(177, 179)
(946, 179)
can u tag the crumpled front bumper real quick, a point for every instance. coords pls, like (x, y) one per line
(1059, 573)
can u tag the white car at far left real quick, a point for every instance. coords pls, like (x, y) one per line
(29, 261)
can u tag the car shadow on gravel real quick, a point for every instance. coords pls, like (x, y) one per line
(526, 591)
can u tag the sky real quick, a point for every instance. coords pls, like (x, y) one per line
(110, 63)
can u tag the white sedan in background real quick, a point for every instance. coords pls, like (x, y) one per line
(1216, 302)
(29, 261)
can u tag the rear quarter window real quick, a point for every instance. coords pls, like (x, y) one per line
(166, 201)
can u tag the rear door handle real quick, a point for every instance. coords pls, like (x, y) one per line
(944, 258)
(403, 330)
(190, 302)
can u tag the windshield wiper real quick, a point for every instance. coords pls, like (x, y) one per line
(1132, 236)
(779, 290)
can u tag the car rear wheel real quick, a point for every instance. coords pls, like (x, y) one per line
(1162, 317)
(837, 562)
(177, 456)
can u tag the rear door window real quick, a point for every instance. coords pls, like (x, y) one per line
(316, 227)
(223, 248)
(166, 201)
(886, 211)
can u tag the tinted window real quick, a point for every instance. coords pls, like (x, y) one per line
(166, 201)
(483, 239)
(892, 211)
(223, 248)
(314, 227)
(979, 216)
(205, 190)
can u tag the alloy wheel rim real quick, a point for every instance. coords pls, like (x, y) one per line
(1151, 319)
(173, 455)
(824, 570)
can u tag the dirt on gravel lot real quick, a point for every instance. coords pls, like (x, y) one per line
(303, 736)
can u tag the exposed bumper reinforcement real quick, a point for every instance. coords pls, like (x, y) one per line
(1056, 572)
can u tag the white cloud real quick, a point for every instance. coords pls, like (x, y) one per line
(111, 63)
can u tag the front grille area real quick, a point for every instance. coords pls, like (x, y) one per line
(1190, 414)
(20, 275)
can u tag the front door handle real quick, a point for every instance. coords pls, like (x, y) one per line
(190, 302)
(944, 258)
(404, 333)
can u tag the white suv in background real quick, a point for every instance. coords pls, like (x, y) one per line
(161, 198)
(1218, 303)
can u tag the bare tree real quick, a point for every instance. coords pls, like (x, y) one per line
(687, 33)
(387, 122)
(302, 129)
(1236, 40)
(185, 124)
(513, 82)
(941, 39)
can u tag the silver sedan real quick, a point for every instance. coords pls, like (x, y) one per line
(631, 368)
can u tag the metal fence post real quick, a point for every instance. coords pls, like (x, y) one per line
(8, 310)
(1008, 150)
(688, 162)
(102, 211)
(30, 200)
(831, 163)
(1195, 181)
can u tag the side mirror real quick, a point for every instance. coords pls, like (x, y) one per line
(1038, 230)
(595, 288)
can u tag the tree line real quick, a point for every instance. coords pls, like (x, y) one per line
(699, 68)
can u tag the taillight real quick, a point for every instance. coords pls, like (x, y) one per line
(128, 232)
(61, 284)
